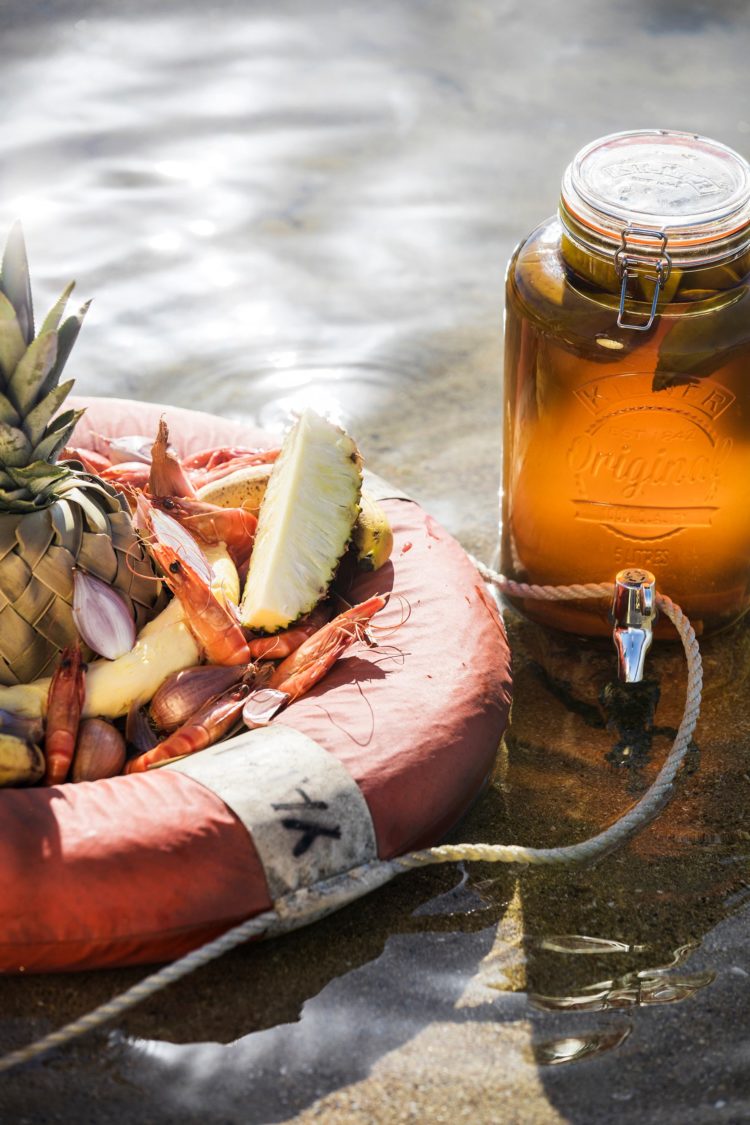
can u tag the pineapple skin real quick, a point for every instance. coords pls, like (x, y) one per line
(38, 553)
(53, 517)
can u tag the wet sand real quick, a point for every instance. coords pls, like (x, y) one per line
(276, 205)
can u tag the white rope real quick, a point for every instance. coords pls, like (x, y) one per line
(313, 902)
(654, 798)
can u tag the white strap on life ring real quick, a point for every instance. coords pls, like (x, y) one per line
(305, 813)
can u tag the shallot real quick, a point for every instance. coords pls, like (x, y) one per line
(183, 693)
(100, 751)
(101, 616)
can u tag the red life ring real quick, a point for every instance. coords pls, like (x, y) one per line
(144, 868)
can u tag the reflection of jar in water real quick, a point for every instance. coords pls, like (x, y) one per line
(627, 381)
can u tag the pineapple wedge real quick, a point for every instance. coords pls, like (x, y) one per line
(304, 525)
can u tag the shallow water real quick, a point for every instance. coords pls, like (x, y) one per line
(313, 202)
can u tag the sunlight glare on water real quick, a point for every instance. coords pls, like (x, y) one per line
(237, 189)
(186, 180)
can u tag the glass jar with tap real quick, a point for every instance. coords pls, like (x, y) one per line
(627, 381)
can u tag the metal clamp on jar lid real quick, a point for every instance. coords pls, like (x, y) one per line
(654, 200)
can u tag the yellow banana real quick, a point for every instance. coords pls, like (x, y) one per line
(21, 762)
(372, 535)
(244, 488)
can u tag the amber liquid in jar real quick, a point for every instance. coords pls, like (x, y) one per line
(627, 448)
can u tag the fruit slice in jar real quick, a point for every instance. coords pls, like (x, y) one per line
(304, 525)
(690, 348)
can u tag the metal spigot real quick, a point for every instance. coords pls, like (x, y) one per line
(633, 613)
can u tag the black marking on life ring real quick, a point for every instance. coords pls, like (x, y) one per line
(305, 803)
(310, 832)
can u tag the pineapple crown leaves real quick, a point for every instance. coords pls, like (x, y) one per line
(32, 433)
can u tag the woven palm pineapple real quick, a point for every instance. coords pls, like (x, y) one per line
(52, 516)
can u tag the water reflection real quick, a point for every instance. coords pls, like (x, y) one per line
(556, 1052)
(581, 943)
(629, 991)
(635, 988)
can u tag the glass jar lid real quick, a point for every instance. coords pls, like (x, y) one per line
(658, 190)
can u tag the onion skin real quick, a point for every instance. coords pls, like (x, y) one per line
(183, 693)
(100, 751)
